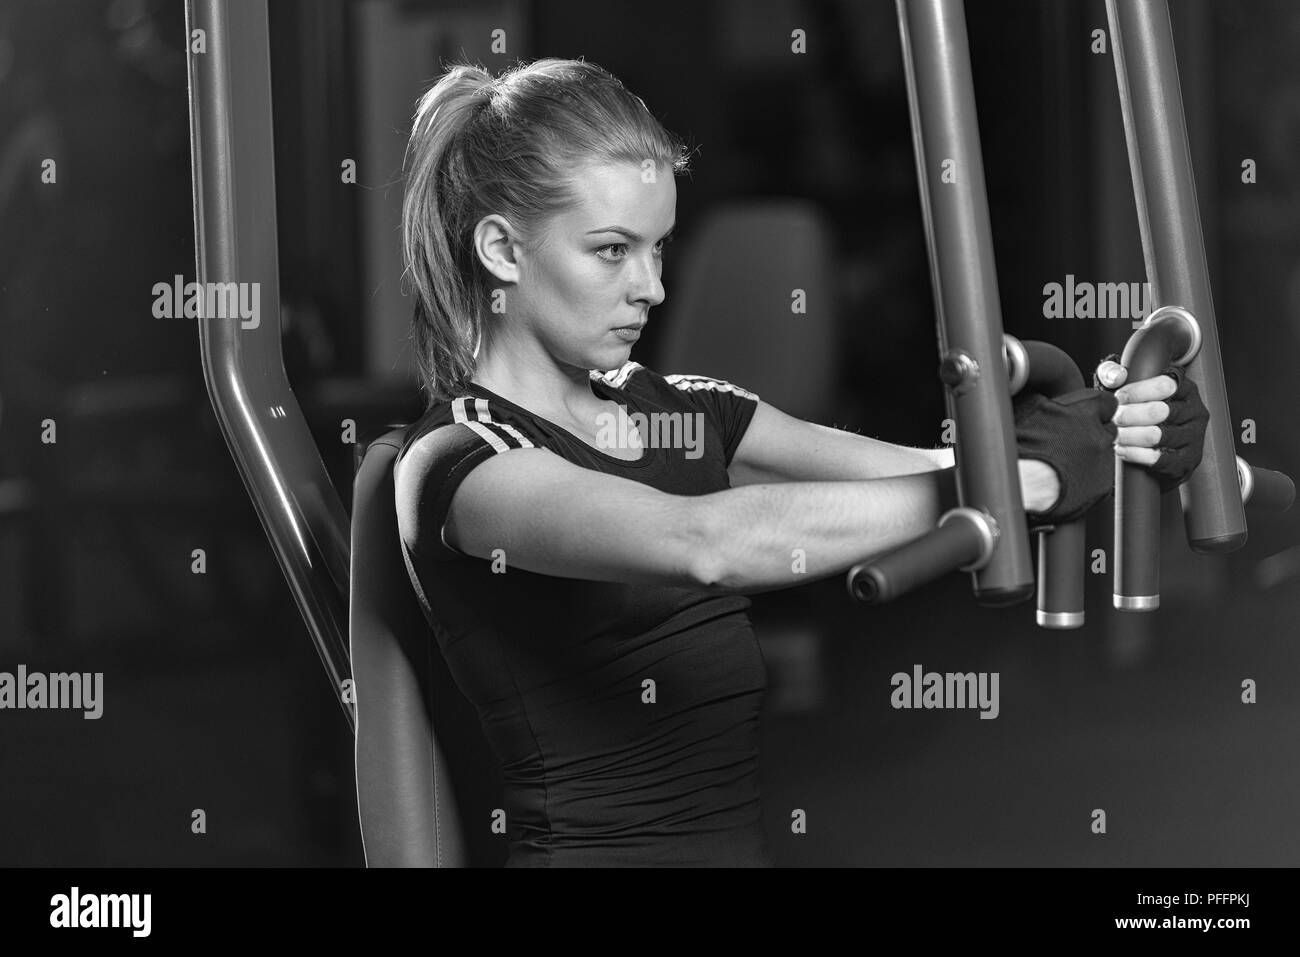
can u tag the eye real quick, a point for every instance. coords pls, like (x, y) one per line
(611, 246)
(660, 248)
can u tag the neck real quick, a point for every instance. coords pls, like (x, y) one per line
(549, 389)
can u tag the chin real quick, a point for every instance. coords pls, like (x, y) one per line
(610, 365)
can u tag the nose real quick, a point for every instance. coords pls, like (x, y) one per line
(648, 287)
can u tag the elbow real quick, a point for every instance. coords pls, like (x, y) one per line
(712, 580)
(708, 567)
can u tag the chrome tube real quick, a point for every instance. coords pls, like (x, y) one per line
(1169, 219)
(235, 242)
(992, 542)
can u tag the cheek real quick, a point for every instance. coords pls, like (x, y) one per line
(584, 286)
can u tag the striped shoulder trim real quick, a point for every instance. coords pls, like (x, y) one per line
(617, 377)
(475, 413)
(694, 383)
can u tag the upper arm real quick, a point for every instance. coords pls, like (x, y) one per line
(728, 406)
(783, 447)
(549, 516)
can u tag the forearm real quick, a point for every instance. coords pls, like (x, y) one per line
(818, 453)
(944, 458)
(764, 537)
(769, 536)
(852, 456)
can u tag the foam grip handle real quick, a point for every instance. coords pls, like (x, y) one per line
(1273, 491)
(944, 549)
(1137, 534)
(1169, 333)
(1061, 561)
(1051, 370)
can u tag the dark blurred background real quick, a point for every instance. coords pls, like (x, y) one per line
(214, 695)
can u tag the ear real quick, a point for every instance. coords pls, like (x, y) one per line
(496, 244)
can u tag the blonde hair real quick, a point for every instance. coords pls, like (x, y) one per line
(510, 146)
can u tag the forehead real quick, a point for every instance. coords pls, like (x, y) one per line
(619, 194)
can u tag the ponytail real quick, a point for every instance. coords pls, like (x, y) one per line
(509, 146)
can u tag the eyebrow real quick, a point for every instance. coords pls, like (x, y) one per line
(634, 237)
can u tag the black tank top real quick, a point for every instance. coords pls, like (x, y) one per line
(625, 717)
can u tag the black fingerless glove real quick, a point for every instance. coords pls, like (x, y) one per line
(1182, 433)
(1074, 434)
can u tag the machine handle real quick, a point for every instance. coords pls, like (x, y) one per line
(963, 540)
(1048, 370)
(1264, 488)
(1170, 336)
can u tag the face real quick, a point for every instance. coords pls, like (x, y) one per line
(596, 267)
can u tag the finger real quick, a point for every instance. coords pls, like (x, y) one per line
(1137, 456)
(1143, 413)
(1140, 436)
(1111, 374)
(1148, 390)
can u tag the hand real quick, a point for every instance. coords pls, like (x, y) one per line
(1073, 436)
(1040, 489)
(1160, 421)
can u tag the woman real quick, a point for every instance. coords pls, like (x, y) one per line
(585, 581)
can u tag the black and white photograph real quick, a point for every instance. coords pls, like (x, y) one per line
(764, 434)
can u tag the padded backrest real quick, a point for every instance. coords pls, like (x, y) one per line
(421, 758)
